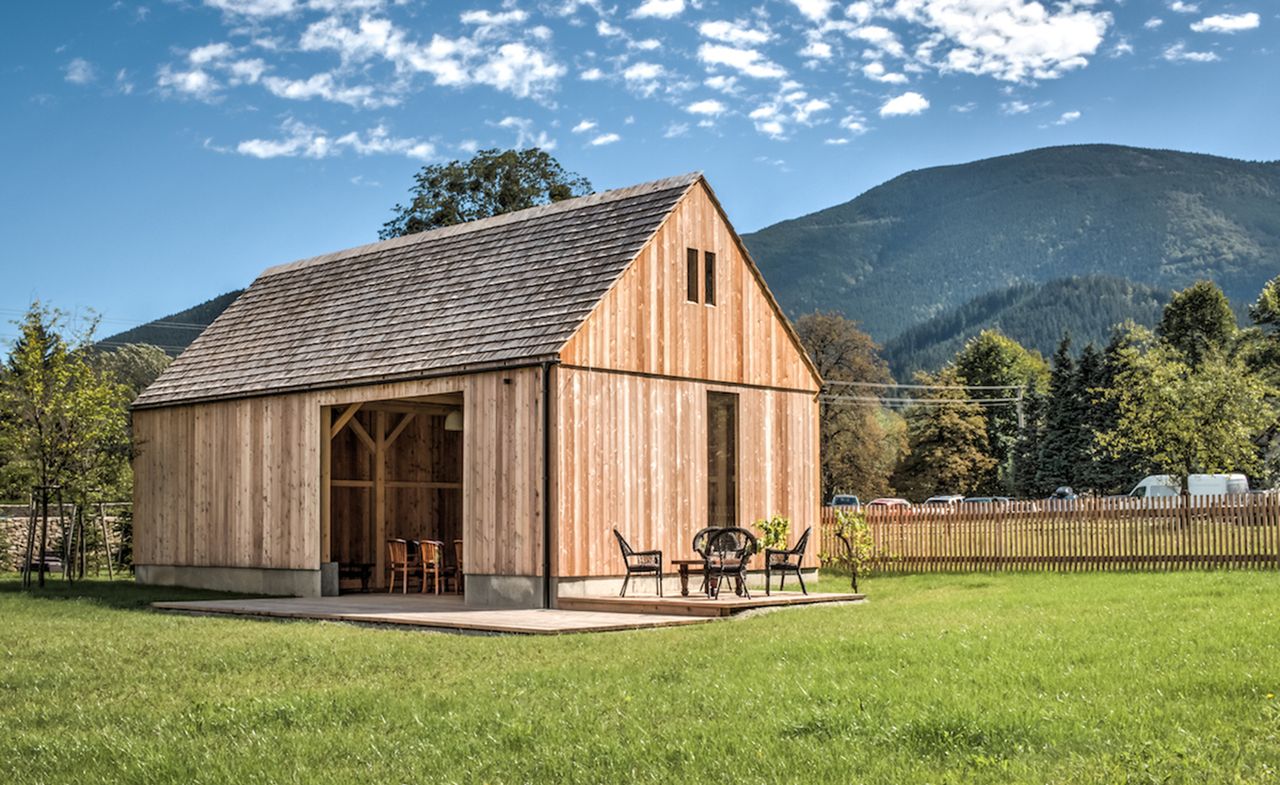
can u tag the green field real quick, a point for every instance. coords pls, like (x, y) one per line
(1096, 677)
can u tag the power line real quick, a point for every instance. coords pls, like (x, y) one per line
(886, 385)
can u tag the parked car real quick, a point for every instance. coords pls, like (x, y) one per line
(844, 500)
(1064, 492)
(891, 503)
(952, 498)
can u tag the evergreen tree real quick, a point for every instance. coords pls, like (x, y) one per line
(946, 441)
(1064, 445)
(991, 359)
(1025, 476)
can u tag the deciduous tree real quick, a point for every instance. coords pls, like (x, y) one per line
(946, 442)
(860, 442)
(492, 182)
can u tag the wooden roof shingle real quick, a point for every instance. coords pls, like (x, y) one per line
(496, 291)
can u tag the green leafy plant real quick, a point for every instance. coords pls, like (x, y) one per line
(859, 549)
(774, 532)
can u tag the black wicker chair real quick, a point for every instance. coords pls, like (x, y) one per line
(785, 561)
(639, 563)
(726, 553)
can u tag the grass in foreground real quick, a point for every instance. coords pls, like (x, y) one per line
(1001, 678)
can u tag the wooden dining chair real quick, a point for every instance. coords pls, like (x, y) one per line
(456, 570)
(398, 562)
(432, 553)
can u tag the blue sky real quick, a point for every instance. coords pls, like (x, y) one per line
(159, 153)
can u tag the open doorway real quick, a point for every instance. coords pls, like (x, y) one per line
(394, 472)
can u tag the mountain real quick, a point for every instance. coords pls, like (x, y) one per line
(930, 240)
(1034, 315)
(174, 332)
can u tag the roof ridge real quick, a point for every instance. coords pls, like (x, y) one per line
(516, 216)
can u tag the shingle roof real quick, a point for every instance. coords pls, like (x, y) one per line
(499, 290)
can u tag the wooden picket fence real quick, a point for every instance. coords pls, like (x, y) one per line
(1173, 533)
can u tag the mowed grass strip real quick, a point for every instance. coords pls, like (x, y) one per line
(940, 678)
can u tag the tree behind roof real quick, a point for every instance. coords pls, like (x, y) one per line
(491, 183)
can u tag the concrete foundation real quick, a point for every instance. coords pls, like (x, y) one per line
(244, 580)
(503, 591)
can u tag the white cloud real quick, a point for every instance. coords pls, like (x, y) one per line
(591, 75)
(525, 136)
(203, 55)
(854, 124)
(805, 110)
(725, 84)
(1015, 107)
(1227, 23)
(194, 83)
(254, 8)
(1067, 117)
(771, 128)
(80, 71)
(124, 84)
(835, 141)
(607, 30)
(964, 108)
(584, 126)
(468, 145)
(1012, 40)
(659, 9)
(708, 106)
(675, 130)
(746, 61)
(880, 37)
(647, 45)
(515, 67)
(909, 103)
(737, 32)
(512, 17)
(302, 140)
(604, 139)
(326, 88)
(814, 10)
(643, 77)
(876, 71)
(816, 50)
(1153, 23)
(1178, 53)
(1179, 7)
(246, 71)
(520, 70)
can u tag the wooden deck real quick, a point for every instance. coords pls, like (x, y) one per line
(426, 611)
(699, 605)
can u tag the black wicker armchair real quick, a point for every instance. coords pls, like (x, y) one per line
(639, 563)
(726, 552)
(785, 561)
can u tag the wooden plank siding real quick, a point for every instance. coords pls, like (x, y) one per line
(646, 324)
(632, 454)
(232, 483)
(237, 483)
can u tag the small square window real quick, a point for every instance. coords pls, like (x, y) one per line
(692, 282)
(709, 288)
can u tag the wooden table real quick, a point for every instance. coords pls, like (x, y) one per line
(686, 566)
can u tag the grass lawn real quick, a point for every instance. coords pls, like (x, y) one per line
(979, 678)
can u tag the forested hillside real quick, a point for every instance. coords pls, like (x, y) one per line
(1034, 315)
(930, 240)
(174, 332)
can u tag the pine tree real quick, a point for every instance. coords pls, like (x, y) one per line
(1064, 446)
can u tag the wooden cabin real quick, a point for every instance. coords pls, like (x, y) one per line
(522, 384)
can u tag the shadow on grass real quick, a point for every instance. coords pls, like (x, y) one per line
(121, 593)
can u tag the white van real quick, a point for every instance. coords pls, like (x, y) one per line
(1217, 484)
(1156, 485)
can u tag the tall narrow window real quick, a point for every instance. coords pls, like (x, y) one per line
(722, 459)
(692, 282)
(709, 288)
